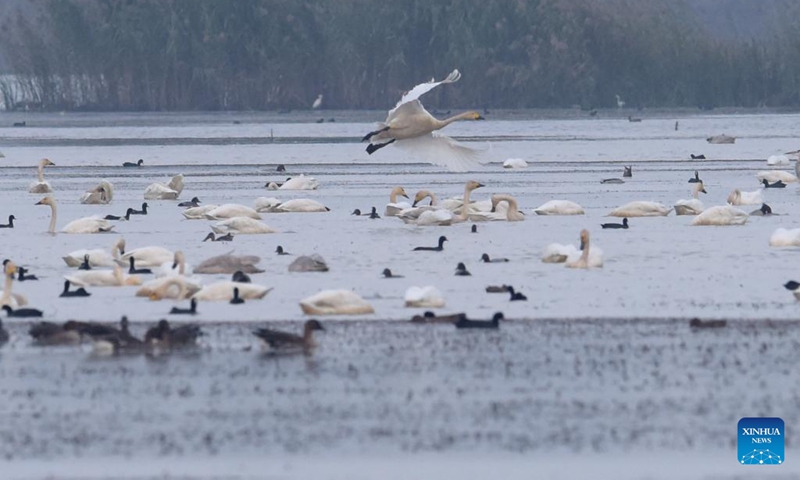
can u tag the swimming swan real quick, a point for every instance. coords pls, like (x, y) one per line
(170, 191)
(394, 207)
(102, 194)
(13, 300)
(641, 209)
(515, 163)
(738, 197)
(692, 206)
(177, 266)
(231, 210)
(229, 263)
(559, 207)
(223, 291)
(721, 215)
(424, 297)
(335, 302)
(785, 238)
(773, 176)
(778, 160)
(82, 225)
(435, 215)
(298, 205)
(241, 226)
(97, 257)
(198, 213)
(300, 183)
(510, 213)
(103, 278)
(586, 260)
(411, 126)
(41, 186)
(149, 256)
(175, 287)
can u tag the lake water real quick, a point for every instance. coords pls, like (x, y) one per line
(595, 365)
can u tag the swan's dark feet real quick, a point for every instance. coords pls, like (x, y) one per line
(374, 147)
(370, 134)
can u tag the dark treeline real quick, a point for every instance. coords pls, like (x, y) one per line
(268, 54)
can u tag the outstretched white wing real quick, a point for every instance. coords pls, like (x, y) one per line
(426, 87)
(442, 150)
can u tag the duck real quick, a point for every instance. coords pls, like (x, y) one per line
(424, 297)
(634, 119)
(97, 257)
(793, 287)
(777, 184)
(281, 168)
(624, 224)
(614, 181)
(193, 203)
(10, 223)
(41, 186)
(280, 251)
(133, 270)
(721, 139)
(22, 312)
(698, 157)
(232, 210)
(410, 126)
(374, 214)
(301, 182)
(4, 336)
(515, 296)
(692, 206)
(764, 211)
(440, 248)
(783, 237)
(85, 265)
(627, 171)
(103, 278)
(559, 207)
(143, 211)
(496, 289)
(777, 175)
(149, 256)
(281, 342)
(160, 191)
(52, 334)
(298, 205)
(163, 336)
(81, 225)
(23, 276)
(430, 317)
(229, 264)
(697, 323)
(132, 164)
(585, 261)
(696, 178)
(474, 229)
(192, 310)
(513, 163)
(312, 263)
(356, 212)
(511, 214)
(388, 274)
(242, 226)
(9, 298)
(223, 291)
(486, 259)
(241, 277)
(394, 207)
(222, 238)
(127, 216)
(461, 270)
(198, 213)
(335, 302)
(721, 215)
(641, 209)
(236, 300)
(80, 292)
(102, 194)
(738, 197)
(494, 323)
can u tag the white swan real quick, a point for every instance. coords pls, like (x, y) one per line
(177, 266)
(586, 260)
(515, 163)
(198, 213)
(738, 197)
(241, 226)
(298, 205)
(103, 278)
(558, 253)
(559, 207)
(102, 194)
(641, 209)
(13, 300)
(333, 302)
(223, 291)
(148, 256)
(81, 225)
(231, 210)
(721, 215)
(785, 238)
(300, 183)
(174, 287)
(510, 213)
(424, 297)
(409, 125)
(229, 263)
(692, 206)
(721, 139)
(265, 204)
(773, 176)
(394, 207)
(778, 160)
(97, 257)
(434, 215)
(41, 186)
(170, 191)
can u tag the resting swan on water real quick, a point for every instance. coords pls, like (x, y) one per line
(412, 127)
(738, 197)
(586, 260)
(81, 225)
(559, 207)
(41, 186)
(170, 191)
(102, 194)
(97, 257)
(721, 215)
(300, 182)
(149, 256)
(641, 209)
(773, 176)
(510, 213)
(198, 213)
(692, 206)
(435, 215)
(103, 278)
(13, 300)
(558, 253)
(231, 210)
(424, 297)
(335, 302)
(394, 207)
(785, 238)
(223, 291)
(241, 226)
(297, 205)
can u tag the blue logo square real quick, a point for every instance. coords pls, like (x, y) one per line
(761, 441)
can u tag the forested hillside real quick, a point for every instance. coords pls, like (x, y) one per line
(268, 54)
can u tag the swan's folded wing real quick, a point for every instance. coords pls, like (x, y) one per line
(426, 87)
(442, 150)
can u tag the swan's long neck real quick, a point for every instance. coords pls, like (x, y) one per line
(118, 276)
(797, 168)
(585, 254)
(53, 215)
(41, 172)
(513, 208)
(115, 250)
(455, 118)
(465, 207)
(393, 196)
(696, 192)
(181, 266)
(6, 299)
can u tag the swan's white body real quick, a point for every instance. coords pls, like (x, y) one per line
(434, 215)
(8, 297)
(559, 207)
(149, 256)
(773, 176)
(515, 163)
(170, 191)
(393, 208)
(721, 215)
(589, 257)
(692, 206)
(41, 186)
(299, 205)
(778, 160)
(102, 194)
(231, 210)
(738, 197)
(198, 213)
(241, 226)
(335, 302)
(641, 209)
(103, 278)
(223, 291)
(229, 263)
(82, 225)
(174, 287)
(176, 267)
(785, 238)
(97, 257)
(300, 183)
(424, 297)
(503, 207)
(266, 204)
